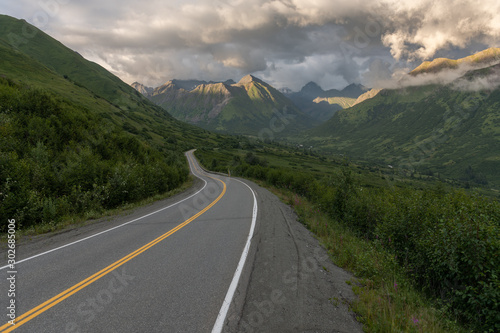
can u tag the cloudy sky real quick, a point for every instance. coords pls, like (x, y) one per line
(285, 42)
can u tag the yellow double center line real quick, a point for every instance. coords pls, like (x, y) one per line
(24, 318)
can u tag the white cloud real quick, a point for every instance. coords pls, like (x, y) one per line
(419, 29)
(292, 41)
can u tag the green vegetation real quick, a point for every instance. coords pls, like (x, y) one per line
(425, 130)
(442, 241)
(58, 159)
(89, 86)
(74, 139)
(27, 40)
(387, 301)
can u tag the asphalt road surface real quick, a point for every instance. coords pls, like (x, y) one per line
(224, 256)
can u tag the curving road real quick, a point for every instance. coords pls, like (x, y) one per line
(171, 269)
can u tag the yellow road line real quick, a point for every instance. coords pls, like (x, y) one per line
(24, 318)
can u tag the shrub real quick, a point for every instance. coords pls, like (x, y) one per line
(447, 242)
(58, 159)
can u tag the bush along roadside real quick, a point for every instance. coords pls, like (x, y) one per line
(444, 242)
(59, 160)
(387, 301)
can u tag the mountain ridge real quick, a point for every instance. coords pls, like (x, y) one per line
(142, 88)
(45, 63)
(483, 58)
(322, 105)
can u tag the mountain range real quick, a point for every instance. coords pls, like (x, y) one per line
(184, 84)
(450, 129)
(249, 107)
(214, 105)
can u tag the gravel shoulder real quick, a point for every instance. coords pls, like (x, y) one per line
(289, 283)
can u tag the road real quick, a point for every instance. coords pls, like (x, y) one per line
(168, 270)
(224, 256)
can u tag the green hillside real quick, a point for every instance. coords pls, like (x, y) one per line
(429, 129)
(58, 58)
(74, 139)
(68, 75)
(43, 62)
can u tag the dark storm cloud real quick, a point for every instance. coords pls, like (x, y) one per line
(287, 42)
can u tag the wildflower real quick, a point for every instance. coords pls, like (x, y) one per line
(396, 286)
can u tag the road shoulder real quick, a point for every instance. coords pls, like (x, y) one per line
(289, 283)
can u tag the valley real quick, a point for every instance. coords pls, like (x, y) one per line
(447, 129)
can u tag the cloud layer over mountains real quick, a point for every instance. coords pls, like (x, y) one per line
(288, 42)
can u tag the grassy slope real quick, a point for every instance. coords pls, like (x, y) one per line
(106, 125)
(43, 62)
(64, 61)
(427, 129)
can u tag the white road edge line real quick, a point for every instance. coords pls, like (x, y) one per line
(221, 317)
(119, 226)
